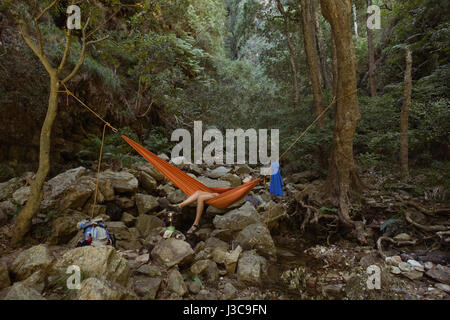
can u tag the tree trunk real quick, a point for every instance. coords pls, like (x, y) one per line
(312, 56)
(371, 53)
(296, 92)
(407, 87)
(341, 172)
(23, 223)
(321, 48)
(335, 68)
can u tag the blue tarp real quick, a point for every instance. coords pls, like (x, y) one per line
(276, 182)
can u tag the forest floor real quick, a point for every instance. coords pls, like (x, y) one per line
(406, 228)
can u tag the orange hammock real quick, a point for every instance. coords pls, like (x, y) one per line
(187, 184)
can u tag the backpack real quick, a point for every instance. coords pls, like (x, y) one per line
(95, 233)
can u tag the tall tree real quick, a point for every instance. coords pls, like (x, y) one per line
(57, 80)
(407, 87)
(296, 92)
(327, 84)
(312, 55)
(341, 171)
(371, 53)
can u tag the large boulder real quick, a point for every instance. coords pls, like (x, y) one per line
(214, 183)
(146, 223)
(172, 252)
(122, 181)
(176, 196)
(251, 268)
(257, 236)
(3, 218)
(64, 228)
(149, 169)
(440, 273)
(207, 269)
(145, 203)
(98, 262)
(237, 219)
(58, 185)
(100, 289)
(176, 283)
(9, 187)
(146, 287)
(148, 182)
(218, 172)
(20, 196)
(21, 292)
(31, 260)
(233, 179)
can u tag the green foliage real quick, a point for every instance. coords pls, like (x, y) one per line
(114, 148)
(158, 142)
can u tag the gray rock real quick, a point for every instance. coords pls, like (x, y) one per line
(257, 236)
(77, 195)
(443, 287)
(395, 270)
(251, 268)
(148, 182)
(9, 187)
(172, 251)
(21, 292)
(146, 287)
(207, 269)
(149, 169)
(237, 219)
(214, 183)
(440, 273)
(64, 228)
(146, 223)
(120, 230)
(145, 203)
(100, 289)
(229, 291)
(413, 275)
(165, 190)
(107, 189)
(149, 270)
(233, 179)
(176, 283)
(122, 181)
(393, 261)
(4, 276)
(97, 262)
(243, 169)
(31, 260)
(404, 266)
(416, 265)
(176, 196)
(194, 287)
(60, 183)
(128, 219)
(218, 172)
(213, 243)
(8, 207)
(125, 203)
(21, 195)
(232, 259)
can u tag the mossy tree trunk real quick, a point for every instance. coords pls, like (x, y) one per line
(407, 88)
(309, 37)
(341, 171)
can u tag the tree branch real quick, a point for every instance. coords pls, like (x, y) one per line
(66, 52)
(36, 51)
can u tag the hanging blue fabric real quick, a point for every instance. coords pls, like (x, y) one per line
(276, 182)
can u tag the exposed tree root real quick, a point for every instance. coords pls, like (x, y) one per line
(423, 227)
(398, 243)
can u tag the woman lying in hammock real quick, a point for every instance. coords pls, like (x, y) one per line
(200, 197)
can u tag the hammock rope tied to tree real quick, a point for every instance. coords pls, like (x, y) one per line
(226, 196)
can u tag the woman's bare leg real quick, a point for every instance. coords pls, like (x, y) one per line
(201, 205)
(190, 200)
